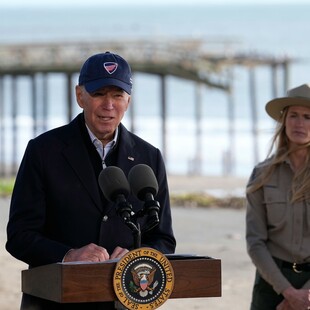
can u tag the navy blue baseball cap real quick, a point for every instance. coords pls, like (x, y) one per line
(106, 69)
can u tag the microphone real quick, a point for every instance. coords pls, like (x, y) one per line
(144, 186)
(115, 188)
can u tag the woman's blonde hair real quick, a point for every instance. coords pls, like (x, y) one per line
(279, 151)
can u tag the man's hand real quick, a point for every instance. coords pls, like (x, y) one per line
(118, 252)
(88, 253)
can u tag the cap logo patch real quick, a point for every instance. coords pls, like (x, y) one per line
(110, 67)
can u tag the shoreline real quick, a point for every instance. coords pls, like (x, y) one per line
(214, 232)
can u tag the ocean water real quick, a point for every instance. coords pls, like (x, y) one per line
(278, 31)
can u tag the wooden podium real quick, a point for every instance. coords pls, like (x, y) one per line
(92, 282)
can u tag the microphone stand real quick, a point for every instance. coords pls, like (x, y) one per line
(136, 233)
(137, 237)
(151, 209)
(126, 213)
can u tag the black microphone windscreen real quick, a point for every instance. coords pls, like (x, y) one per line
(113, 183)
(142, 180)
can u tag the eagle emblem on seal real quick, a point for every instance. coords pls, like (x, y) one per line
(143, 278)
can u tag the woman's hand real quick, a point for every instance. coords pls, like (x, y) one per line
(295, 299)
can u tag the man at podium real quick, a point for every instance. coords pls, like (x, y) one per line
(58, 212)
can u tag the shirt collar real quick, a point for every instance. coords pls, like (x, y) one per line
(95, 140)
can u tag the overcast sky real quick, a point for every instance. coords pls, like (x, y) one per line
(59, 3)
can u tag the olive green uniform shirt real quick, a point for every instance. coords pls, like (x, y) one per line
(277, 228)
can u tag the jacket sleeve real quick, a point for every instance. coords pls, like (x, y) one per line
(25, 230)
(256, 238)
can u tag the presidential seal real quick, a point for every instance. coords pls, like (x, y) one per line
(143, 279)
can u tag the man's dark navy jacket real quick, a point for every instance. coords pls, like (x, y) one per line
(57, 203)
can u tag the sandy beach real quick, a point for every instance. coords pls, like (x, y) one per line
(214, 232)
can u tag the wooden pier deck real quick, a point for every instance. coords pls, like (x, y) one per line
(192, 59)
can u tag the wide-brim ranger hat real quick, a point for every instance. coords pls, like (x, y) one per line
(298, 96)
(105, 69)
